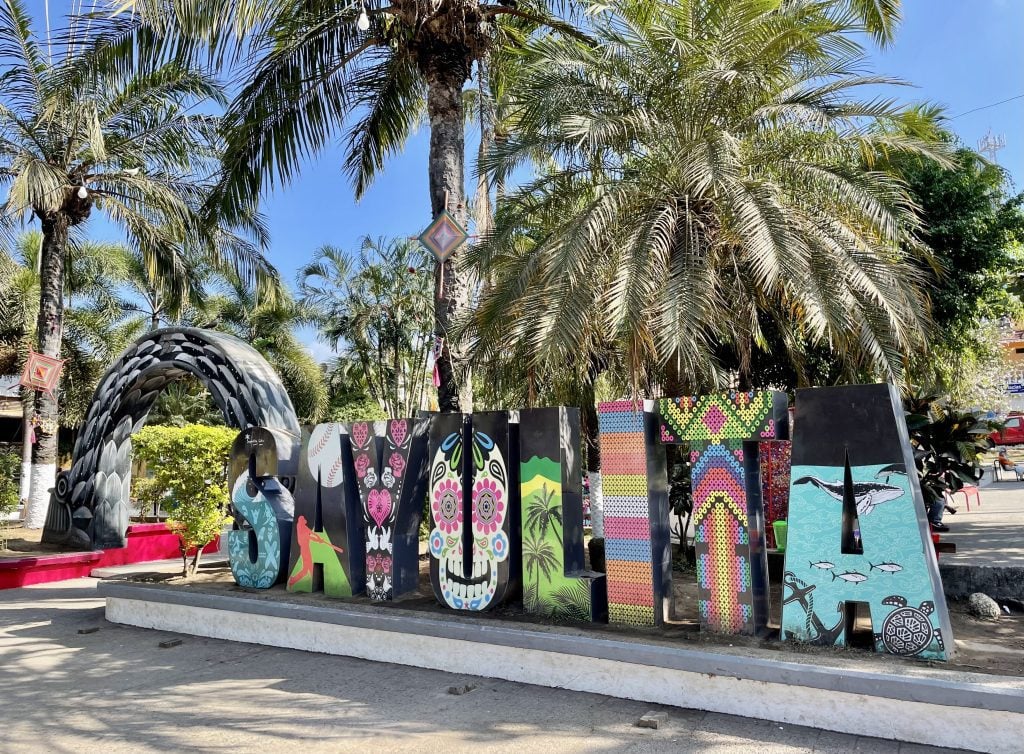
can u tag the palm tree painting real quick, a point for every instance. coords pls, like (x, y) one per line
(539, 559)
(544, 512)
(548, 590)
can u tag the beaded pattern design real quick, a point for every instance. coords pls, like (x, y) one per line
(715, 426)
(628, 555)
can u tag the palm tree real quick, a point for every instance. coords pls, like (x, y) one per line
(538, 559)
(74, 138)
(543, 511)
(377, 306)
(269, 325)
(707, 179)
(158, 301)
(309, 68)
(91, 334)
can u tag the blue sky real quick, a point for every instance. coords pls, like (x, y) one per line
(962, 54)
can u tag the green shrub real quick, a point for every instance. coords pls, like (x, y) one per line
(189, 466)
(10, 471)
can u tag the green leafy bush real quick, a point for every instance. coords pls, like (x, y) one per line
(189, 466)
(10, 470)
(947, 443)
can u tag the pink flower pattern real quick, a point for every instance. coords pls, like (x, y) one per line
(447, 506)
(488, 507)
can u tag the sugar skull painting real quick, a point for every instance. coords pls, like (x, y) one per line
(470, 539)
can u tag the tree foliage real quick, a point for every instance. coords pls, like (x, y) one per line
(974, 231)
(189, 466)
(376, 308)
(704, 185)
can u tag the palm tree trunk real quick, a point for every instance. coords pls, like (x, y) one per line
(28, 407)
(48, 334)
(447, 190)
(484, 213)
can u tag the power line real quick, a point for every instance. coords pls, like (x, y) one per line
(986, 107)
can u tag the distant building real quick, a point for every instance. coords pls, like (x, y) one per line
(1012, 342)
(10, 409)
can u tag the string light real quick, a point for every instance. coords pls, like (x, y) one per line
(363, 22)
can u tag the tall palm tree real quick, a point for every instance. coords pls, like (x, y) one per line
(376, 306)
(91, 337)
(76, 138)
(707, 179)
(156, 301)
(310, 69)
(269, 325)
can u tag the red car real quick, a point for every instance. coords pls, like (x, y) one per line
(1012, 433)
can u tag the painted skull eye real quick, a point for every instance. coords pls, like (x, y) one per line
(449, 506)
(488, 506)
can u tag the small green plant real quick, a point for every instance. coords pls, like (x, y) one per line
(10, 468)
(948, 445)
(189, 480)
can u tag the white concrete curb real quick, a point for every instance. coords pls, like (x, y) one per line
(985, 713)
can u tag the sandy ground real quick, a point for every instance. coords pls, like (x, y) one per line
(72, 682)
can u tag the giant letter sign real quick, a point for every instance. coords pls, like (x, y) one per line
(638, 552)
(327, 551)
(728, 519)
(474, 507)
(857, 527)
(389, 460)
(261, 506)
(555, 582)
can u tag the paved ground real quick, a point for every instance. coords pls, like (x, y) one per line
(990, 535)
(115, 691)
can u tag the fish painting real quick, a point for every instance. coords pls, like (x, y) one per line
(866, 494)
(886, 567)
(851, 577)
(823, 565)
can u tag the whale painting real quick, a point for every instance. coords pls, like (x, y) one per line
(866, 494)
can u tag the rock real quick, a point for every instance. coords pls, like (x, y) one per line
(982, 606)
(652, 720)
(460, 690)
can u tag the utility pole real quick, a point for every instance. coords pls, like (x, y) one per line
(990, 144)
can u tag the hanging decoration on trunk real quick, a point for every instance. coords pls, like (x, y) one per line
(443, 236)
(42, 372)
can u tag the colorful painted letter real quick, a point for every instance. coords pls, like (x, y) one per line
(555, 582)
(474, 478)
(262, 507)
(728, 519)
(638, 552)
(327, 551)
(857, 527)
(390, 461)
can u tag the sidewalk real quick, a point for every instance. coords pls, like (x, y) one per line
(990, 535)
(116, 690)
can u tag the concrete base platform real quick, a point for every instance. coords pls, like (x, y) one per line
(919, 704)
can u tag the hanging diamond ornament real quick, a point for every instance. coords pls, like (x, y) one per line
(41, 372)
(443, 236)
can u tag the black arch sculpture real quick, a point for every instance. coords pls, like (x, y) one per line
(89, 504)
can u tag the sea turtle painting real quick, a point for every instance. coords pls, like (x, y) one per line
(908, 630)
